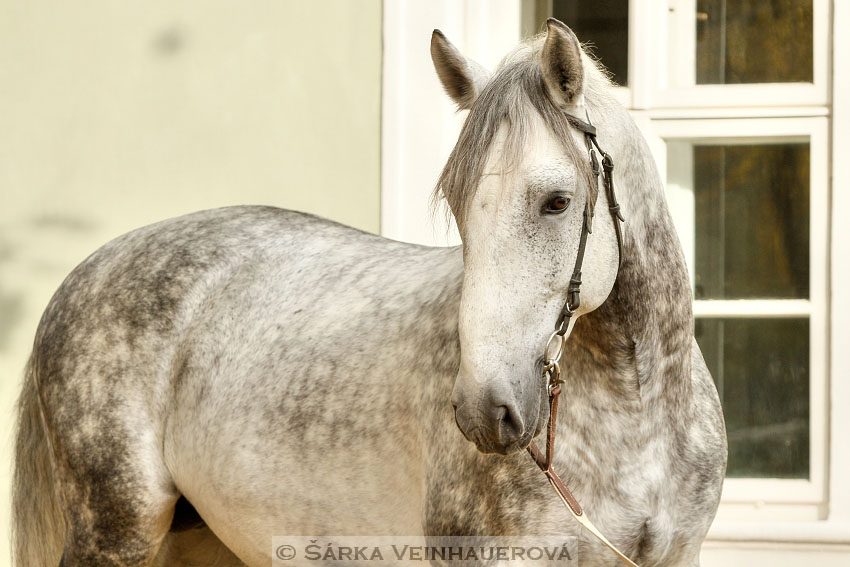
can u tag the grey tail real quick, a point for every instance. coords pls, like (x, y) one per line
(38, 527)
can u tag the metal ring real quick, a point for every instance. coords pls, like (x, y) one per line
(561, 342)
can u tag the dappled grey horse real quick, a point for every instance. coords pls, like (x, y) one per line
(202, 384)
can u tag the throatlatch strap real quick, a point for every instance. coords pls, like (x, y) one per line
(613, 205)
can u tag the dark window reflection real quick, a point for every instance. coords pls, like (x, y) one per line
(761, 368)
(752, 221)
(604, 24)
(748, 41)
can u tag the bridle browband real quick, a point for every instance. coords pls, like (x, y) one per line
(556, 344)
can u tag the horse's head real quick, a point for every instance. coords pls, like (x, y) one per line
(517, 183)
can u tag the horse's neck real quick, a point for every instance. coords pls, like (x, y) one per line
(646, 325)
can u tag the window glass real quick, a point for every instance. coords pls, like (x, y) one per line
(742, 211)
(745, 41)
(761, 368)
(751, 221)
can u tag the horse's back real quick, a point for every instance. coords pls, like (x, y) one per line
(147, 285)
(136, 293)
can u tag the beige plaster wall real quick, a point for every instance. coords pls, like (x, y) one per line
(117, 114)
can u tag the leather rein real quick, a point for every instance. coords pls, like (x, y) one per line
(556, 344)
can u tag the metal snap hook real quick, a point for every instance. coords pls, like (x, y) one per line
(552, 373)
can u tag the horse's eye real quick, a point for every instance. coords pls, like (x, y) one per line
(556, 204)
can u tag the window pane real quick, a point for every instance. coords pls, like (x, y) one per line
(604, 24)
(751, 221)
(743, 41)
(761, 368)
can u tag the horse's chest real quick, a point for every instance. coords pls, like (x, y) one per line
(623, 474)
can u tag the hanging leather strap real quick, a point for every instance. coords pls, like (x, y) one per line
(544, 461)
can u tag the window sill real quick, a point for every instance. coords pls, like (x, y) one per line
(823, 531)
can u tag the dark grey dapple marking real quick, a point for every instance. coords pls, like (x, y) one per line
(288, 375)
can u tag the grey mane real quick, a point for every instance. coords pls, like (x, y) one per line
(515, 90)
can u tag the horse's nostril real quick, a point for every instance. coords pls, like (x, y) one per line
(457, 400)
(508, 425)
(511, 428)
(490, 418)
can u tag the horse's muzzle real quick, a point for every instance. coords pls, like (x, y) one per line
(493, 425)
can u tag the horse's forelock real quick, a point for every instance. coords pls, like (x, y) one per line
(515, 91)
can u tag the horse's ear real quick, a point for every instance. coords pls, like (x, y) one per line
(561, 64)
(462, 78)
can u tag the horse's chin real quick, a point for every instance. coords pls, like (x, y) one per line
(505, 450)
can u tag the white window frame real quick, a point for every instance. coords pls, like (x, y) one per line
(756, 521)
(839, 398)
(678, 27)
(758, 491)
(419, 123)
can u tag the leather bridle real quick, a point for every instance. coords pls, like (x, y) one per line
(556, 344)
(573, 291)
